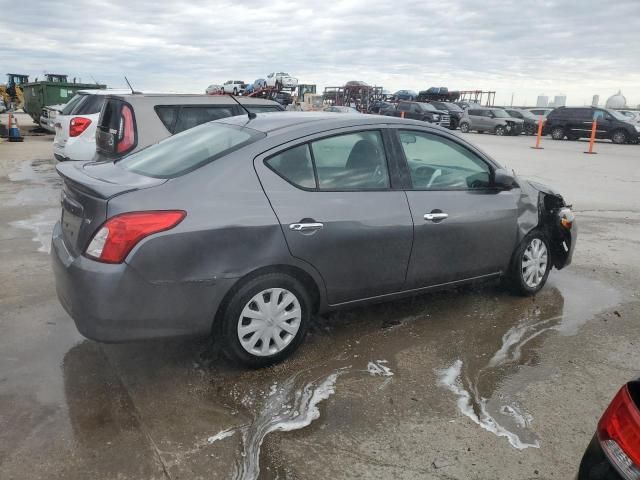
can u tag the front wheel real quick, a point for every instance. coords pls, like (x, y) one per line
(235, 91)
(266, 320)
(500, 130)
(464, 127)
(530, 265)
(619, 137)
(530, 129)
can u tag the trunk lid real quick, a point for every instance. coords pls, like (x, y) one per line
(86, 191)
(61, 125)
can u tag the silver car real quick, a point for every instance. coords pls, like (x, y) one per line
(494, 120)
(246, 227)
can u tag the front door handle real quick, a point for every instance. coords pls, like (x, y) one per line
(435, 217)
(305, 227)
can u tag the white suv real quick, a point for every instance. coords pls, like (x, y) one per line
(75, 126)
(281, 80)
(234, 86)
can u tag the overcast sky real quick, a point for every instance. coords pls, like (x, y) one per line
(578, 48)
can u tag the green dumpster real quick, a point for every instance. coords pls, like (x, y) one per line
(56, 89)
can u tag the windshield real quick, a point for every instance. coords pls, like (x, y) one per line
(428, 106)
(618, 115)
(72, 103)
(500, 114)
(189, 150)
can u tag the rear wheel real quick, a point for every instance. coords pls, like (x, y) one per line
(464, 127)
(266, 320)
(530, 129)
(557, 133)
(619, 137)
(500, 130)
(530, 265)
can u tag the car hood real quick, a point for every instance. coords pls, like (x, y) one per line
(541, 188)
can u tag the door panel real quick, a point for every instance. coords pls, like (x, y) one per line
(463, 227)
(359, 241)
(476, 238)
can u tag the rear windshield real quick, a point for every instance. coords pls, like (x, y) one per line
(72, 103)
(110, 116)
(189, 150)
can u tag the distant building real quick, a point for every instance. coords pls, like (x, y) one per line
(595, 101)
(616, 101)
(543, 101)
(560, 101)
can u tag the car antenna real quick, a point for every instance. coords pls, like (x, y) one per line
(250, 114)
(128, 83)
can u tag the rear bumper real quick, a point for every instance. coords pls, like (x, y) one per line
(114, 303)
(595, 465)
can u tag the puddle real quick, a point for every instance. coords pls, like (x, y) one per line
(41, 224)
(475, 384)
(39, 185)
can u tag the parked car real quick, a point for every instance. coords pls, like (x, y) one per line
(48, 117)
(464, 104)
(244, 228)
(283, 98)
(380, 106)
(541, 111)
(633, 115)
(75, 127)
(455, 112)
(494, 120)
(214, 90)
(339, 109)
(234, 86)
(576, 122)
(281, 80)
(408, 95)
(129, 123)
(530, 125)
(614, 450)
(418, 111)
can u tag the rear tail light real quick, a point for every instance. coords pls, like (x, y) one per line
(115, 239)
(78, 125)
(126, 132)
(619, 434)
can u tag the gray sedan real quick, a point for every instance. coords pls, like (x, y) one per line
(246, 227)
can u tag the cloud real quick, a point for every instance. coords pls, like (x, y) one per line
(578, 48)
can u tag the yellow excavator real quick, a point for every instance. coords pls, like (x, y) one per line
(12, 93)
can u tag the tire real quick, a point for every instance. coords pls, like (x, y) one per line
(619, 137)
(465, 127)
(500, 130)
(557, 133)
(235, 91)
(518, 279)
(530, 129)
(245, 300)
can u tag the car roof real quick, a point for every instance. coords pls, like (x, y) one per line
(270, 122)
(105, 91)
(188, 99)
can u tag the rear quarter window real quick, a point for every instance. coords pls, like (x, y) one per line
(189, 117)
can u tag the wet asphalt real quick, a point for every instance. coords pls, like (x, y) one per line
(472, 383)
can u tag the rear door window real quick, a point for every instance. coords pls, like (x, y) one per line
(355, 161)
(190, 117)
(71, 104)
(91, 105)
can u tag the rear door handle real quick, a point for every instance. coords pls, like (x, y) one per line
(305, 227)
(435, 217)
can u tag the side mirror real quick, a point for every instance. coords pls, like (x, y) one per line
(503, 179)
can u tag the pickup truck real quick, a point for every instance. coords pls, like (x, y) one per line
(234, 86)
(281, 80)
(419, 111)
